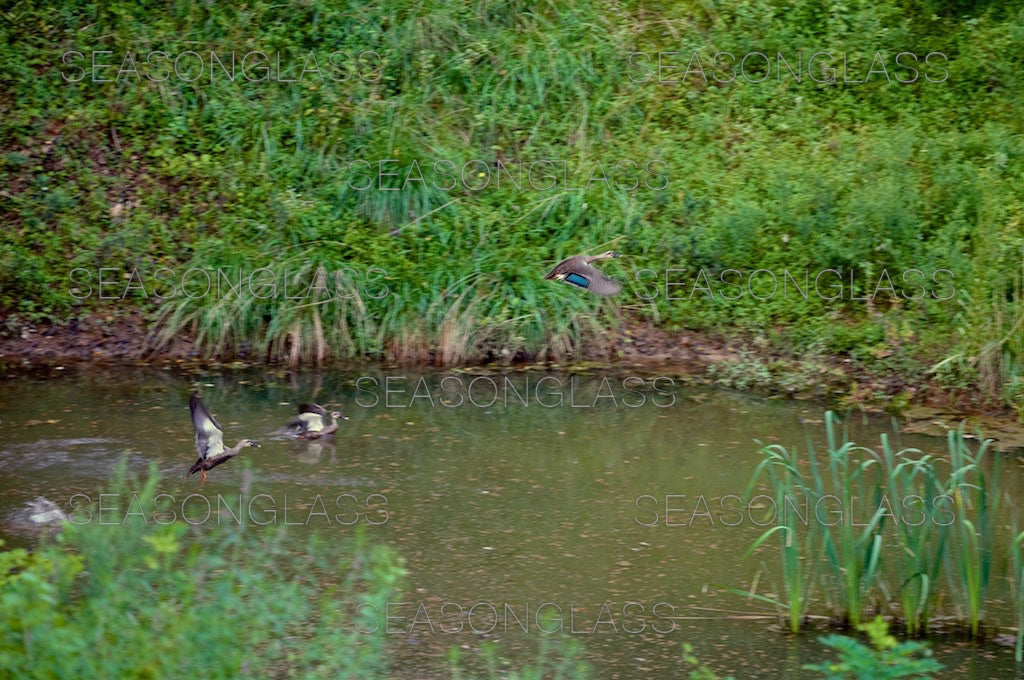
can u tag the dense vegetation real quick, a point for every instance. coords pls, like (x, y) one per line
(148, 171)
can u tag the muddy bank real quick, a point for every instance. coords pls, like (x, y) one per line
(99, 338)
(733, 362)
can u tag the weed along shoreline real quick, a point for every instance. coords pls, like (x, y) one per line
(693, 357)
(955, 510)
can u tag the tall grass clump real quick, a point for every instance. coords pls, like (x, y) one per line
(916, 526)
(311, 306)
(849, 553)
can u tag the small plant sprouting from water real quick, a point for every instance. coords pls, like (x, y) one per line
(884, 658)
(700, 670)
(558, 657)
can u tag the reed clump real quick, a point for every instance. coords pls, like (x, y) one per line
(879, 531)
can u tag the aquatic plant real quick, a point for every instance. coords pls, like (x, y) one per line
(851, 557)
(800, 548)
(953, 530)
(1017, 592)
(913, 486)
(883, 659)
(972, 549)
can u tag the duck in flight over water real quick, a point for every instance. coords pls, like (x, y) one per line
(210, 439)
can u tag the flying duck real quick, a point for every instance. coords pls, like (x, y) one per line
(210, 439)
(579, 271)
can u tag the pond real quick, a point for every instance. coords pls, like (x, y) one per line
(609, 501)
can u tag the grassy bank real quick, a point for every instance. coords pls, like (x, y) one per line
(175, 164)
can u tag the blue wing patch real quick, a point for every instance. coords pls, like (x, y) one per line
(577, 280)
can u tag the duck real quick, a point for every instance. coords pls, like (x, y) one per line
(210, 439)
(578, 271)
(309, 424)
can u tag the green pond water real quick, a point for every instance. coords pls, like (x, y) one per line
(607, 498)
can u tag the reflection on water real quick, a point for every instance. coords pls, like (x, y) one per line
(578, 495)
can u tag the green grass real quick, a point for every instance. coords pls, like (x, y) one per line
(773, 175)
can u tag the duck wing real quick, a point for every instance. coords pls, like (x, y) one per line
(305, 422)
(584, 275)
(564, 267)
(209, 434)
(313, 408)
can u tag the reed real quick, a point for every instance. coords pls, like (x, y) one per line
(853, 556)
(800, 544)
(1017, 578)
(940, 526)
(972, 550)
(913, 486)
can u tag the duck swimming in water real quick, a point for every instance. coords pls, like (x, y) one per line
(309, 424)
